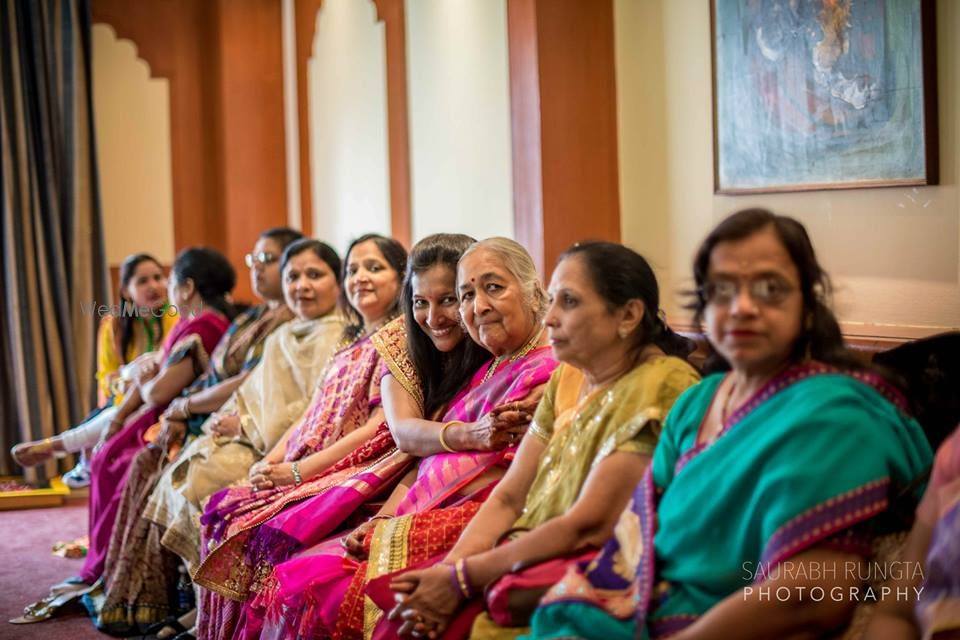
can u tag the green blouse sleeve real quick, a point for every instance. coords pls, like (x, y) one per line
(542, 425)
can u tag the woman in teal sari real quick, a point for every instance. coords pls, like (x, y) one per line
(756, 516)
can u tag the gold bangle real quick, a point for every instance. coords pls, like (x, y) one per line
(443, 430)
(460, 570)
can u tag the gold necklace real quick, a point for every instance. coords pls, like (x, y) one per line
(524, 350)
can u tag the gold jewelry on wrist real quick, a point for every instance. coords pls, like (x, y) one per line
(460, 569)
(295, 469)
(443, 431)
(381, 517)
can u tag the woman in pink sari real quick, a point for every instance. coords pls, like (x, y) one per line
(337, 438)
(464, 455)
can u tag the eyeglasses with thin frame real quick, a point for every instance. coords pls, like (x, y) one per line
(769, 291)
(264, 258)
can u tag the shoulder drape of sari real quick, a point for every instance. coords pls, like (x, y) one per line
(441, 476)
(939, 606)
(239, 544)
(239, 350)
(811, 458)
(391, 343)
(277, 391)
(626, 416)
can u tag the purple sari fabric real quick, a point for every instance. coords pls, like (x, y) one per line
(324, 572)
(939, 606)
(109, 467)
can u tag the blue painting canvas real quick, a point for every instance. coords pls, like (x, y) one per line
(815, 94)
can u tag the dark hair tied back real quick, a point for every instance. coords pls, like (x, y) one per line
(620, 274)
(212, 275)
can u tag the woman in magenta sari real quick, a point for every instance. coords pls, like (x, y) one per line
(337, 438)
(464, 455)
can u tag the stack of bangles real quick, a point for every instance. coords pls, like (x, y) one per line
(443, 431)
(458, 576)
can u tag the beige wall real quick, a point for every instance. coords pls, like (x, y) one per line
(347, 84)
(458, 83)
(893, 253)
(132, 117)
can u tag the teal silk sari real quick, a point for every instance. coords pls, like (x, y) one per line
(812, 458)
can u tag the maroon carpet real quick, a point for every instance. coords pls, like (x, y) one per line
(28, 569)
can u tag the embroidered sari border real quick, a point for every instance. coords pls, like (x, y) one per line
(825, 519)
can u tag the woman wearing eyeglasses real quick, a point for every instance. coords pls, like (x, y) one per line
(756, 516)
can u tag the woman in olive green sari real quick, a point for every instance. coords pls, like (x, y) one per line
(591, 438)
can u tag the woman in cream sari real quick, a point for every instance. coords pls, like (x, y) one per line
(266, 405)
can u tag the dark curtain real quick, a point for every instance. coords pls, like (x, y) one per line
(51, 240)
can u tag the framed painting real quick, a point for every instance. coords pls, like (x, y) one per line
(823, 94)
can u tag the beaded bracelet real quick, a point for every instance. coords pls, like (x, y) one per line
(297, 478)
(443, 430)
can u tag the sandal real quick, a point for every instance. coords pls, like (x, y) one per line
(28, 454)
(170, 622)
(45, 608)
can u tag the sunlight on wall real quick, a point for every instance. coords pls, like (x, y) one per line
(460, 145)
(347, 85)
(132, 116)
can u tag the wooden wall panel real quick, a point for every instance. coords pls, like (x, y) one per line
(571, 112)
(251, 128)
(391, 13)
(528, 216)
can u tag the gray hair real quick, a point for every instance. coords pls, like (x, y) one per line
(517, 261)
